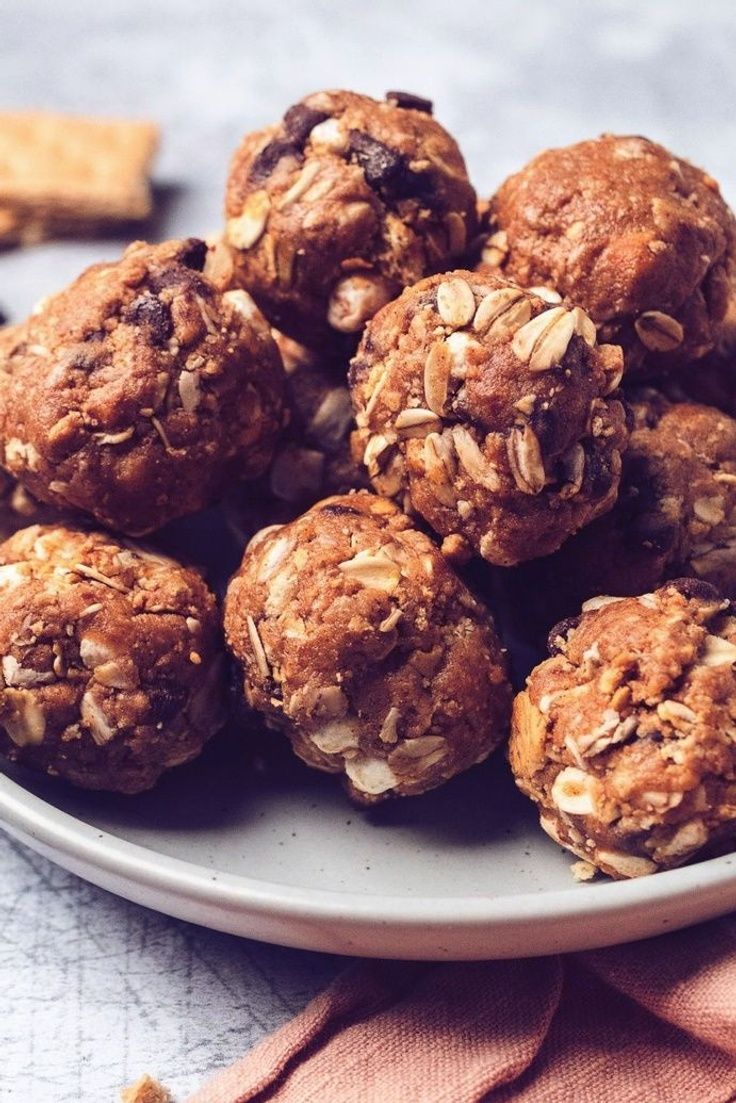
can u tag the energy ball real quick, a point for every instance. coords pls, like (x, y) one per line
(112, 663)
(490, 413)
(333, 210)
(625, 738)
(712, 384)
(675, 514)
(134, 394)
(359, 642)
(637, 237)
(313, 458)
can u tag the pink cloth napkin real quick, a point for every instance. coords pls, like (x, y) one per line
(651, 1021)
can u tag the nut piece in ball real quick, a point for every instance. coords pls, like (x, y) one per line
(637, 237)
(132, 395)
(344, 202)
(358, 641)
(491, 413)
(623, 737)
(112, 663)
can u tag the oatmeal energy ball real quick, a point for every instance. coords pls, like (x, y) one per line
(675, 514)
(361, 644)
(112, 665)
(135, 393)
(625, 739)
(333, 210)
(491, 413)
(313, 457)
(637, 237)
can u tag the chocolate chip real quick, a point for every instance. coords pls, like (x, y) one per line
(3, 317)
(557, 638)
(694, 588)
(152, 313)
(266, 161)
(193, 253)
(340, 511)
(410, 101)
(164, 703)
(547, 425)
(417, 185)
(598, 473)
(300, 120)
(388, 172)
(383, 167)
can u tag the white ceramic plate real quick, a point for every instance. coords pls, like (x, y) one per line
(280, 856)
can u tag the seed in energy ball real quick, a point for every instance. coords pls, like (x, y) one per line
(133, 395)
(639, 238)
(340, 205)
(623, 739)
(357, 640)
(313, 457)
(491, 413)
(112, 662)
(675, 515)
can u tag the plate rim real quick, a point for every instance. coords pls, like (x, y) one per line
(61, 831)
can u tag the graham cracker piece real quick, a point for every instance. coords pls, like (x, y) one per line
(65, 174)
(146, 1090)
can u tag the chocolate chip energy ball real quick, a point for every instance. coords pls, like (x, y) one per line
(313, 457)
(675, 514)
(490, 413)
(626, 737)
(112, 666)
(361, 644)
(135, 393)
(344, 202)
(637, 237)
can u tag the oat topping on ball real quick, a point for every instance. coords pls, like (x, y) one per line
(358, 641)
(626, 738)
(313, 458)
(135, 393)
(112, 663)
(344, 202)
(675, 514)
(637, 237)
(490, 413)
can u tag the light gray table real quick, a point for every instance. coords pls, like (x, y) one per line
(94, 990)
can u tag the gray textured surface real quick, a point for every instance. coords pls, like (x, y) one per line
(94, 990)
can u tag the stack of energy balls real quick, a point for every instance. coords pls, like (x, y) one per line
(392, 389)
